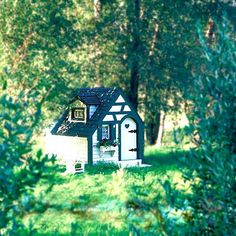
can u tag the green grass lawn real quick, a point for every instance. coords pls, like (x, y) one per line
(96, 202)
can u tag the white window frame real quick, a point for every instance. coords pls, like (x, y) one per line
(77, 112)
(108, 132)
(77, 119)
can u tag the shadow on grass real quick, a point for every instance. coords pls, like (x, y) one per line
(161, 160)
(165, 158)
(104, 168)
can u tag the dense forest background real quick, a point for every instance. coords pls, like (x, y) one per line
(166, 55)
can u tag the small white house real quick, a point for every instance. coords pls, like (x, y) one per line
(99, 124)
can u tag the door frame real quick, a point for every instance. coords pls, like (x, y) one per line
(138, 141)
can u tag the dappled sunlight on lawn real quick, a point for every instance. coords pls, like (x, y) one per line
(98, 198)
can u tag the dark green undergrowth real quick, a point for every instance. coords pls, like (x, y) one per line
(102, 167)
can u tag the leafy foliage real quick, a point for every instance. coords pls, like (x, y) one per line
(107, 143)
(36, 43)
(102, 167)
(49, 47)
(212, 166)
(207, 204)
(20, 167)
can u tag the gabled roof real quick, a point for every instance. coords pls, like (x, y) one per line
(103, 97)
(90, 99)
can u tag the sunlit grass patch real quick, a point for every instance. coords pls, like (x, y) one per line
(97, 200)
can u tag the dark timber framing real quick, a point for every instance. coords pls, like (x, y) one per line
(104, 99)
(90, 150)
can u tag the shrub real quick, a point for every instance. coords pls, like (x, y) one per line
(20, 167)
(103, 167)
(213, 127)
(107, 143)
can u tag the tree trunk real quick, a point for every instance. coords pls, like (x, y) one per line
(134, 83)
(161, 129)
(135, 70)
(152, 127)
(152, 119)
(96, 8)
(96, 48)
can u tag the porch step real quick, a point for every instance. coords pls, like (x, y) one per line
(130, 163)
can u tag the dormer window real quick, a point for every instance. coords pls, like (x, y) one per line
(92, 109)
(78, 114)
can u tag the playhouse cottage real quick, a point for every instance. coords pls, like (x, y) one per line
(98, 125)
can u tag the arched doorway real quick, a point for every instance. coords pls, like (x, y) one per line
(128, 139)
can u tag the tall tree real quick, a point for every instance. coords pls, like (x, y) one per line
(170, 57)
(133, 13)
(37, 39)
(167, 65)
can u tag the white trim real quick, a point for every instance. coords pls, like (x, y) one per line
(120, 99)
(115, 109)
(74, 120)
(130, 163)
(127, 108)
(108, 118)
(120, 116)
(108, 131)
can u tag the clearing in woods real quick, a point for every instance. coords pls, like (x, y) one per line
(95, 201)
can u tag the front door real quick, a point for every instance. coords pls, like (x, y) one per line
(128, 139)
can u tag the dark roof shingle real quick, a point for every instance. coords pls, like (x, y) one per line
(103, 97)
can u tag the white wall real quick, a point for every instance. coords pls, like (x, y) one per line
(103, 156)
(67, 148)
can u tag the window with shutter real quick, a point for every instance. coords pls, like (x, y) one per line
(106, 132)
